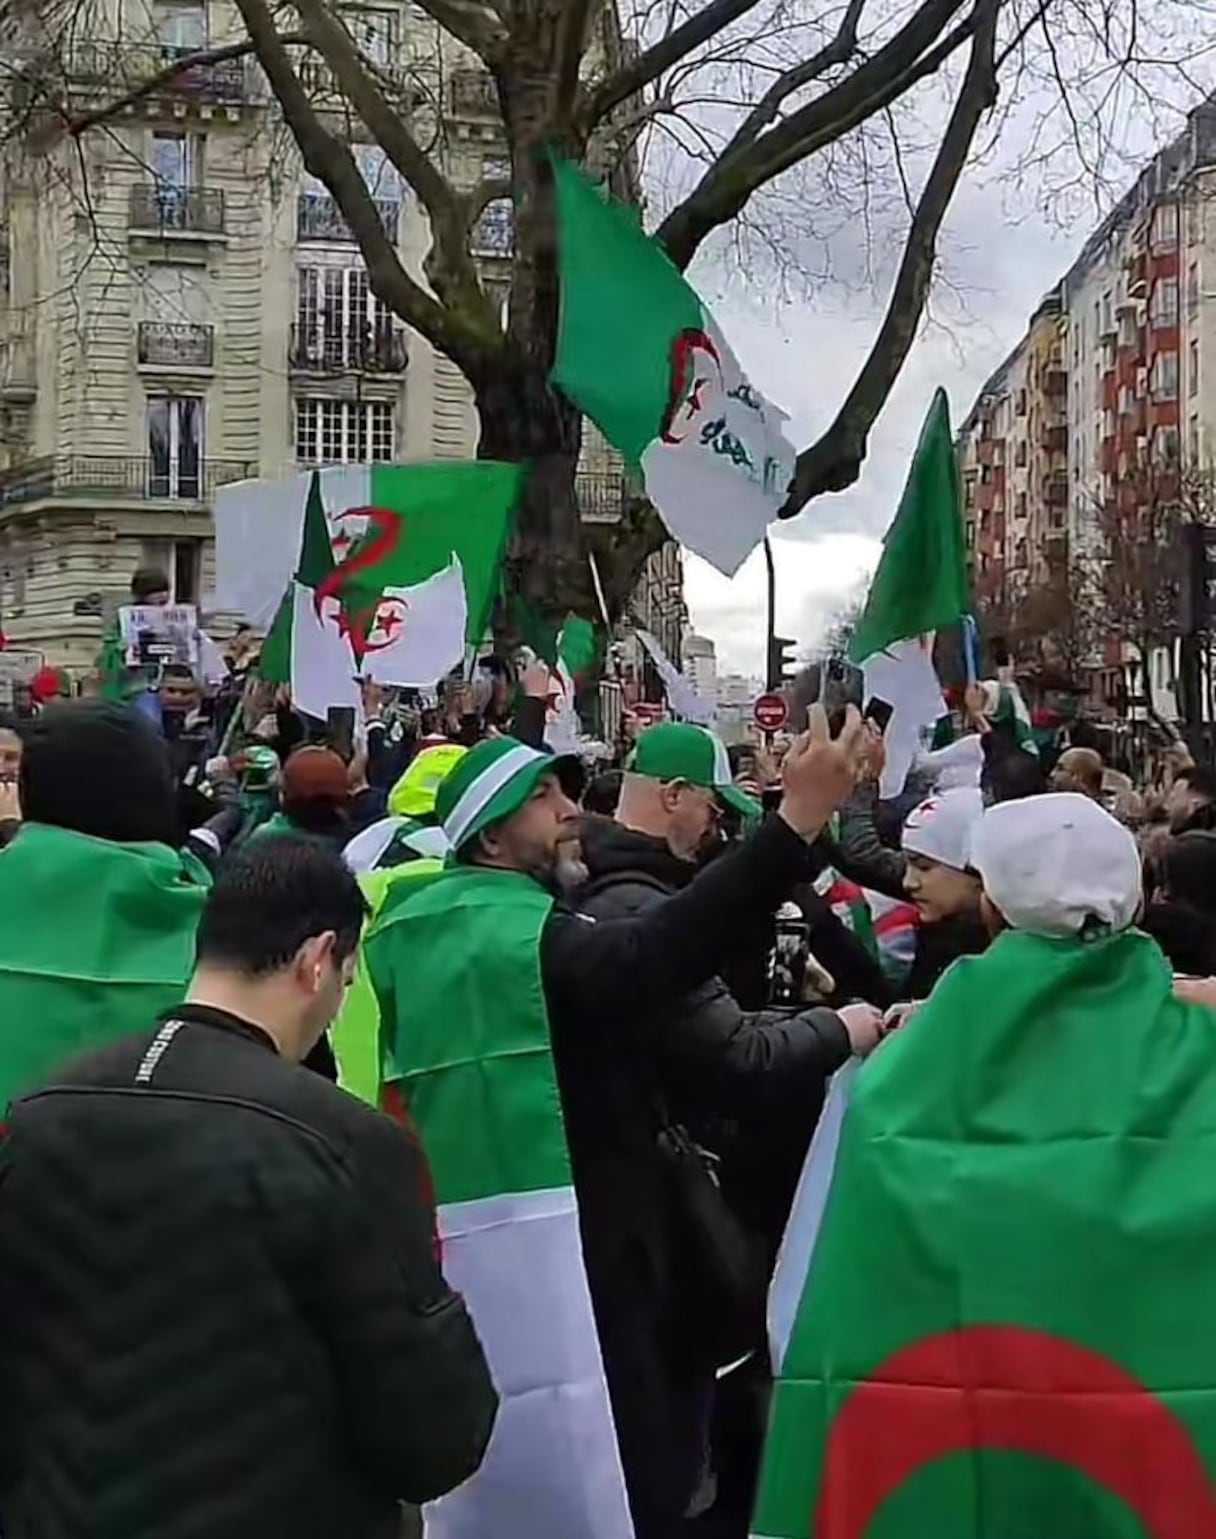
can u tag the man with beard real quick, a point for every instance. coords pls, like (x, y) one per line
(524, 1030)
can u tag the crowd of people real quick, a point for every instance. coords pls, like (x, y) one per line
(225, 1309)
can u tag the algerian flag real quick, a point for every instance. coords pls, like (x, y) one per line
(1007, 711)
(919, 587)
(388, 570)
(993, 1313)
(577, 649)
(472, 1046)
(639, 354)
(96, 940)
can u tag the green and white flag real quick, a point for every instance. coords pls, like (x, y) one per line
(919, 587)
(640, 354)
(577, 649)
(379, 572)
(993, 1314)
(456, 971)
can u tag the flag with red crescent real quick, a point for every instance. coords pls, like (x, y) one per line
(993, 1317)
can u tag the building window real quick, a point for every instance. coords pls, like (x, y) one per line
(343, 432)
(181, 27)
(1192, 288)
(337, 317)
(1164, 307)
(175, 446)
(1165, 225)
(1193, 441)
(1021, 403)
(1165, 377)
(373, 33)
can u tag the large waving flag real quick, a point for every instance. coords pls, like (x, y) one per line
(919, 587)
(365, 571)
(478, 1077)
(993, 1316)
(641, 355)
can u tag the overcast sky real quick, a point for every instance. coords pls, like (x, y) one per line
(804, 356)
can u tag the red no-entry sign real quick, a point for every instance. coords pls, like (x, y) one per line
(771, 713)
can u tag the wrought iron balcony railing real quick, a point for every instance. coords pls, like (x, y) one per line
(165, 206)
(185, 346)
(128, 478)
(318, 217)
(362, 349)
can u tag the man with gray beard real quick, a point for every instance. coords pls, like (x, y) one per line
(479, 945)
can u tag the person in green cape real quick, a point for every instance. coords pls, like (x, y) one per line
(98, 908)
(994, 1312)
(511, 1017)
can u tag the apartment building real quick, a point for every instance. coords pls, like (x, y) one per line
(182, 305)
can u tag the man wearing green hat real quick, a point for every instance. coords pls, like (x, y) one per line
(520, 1027)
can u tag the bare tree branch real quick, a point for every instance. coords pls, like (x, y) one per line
(727, 185)
(205, 58)
(834, 461)
(448, 264)
(839, 50)
(456, 333)
(478, 26)
(648, 66)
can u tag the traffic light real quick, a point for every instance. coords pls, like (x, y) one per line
(781, 665)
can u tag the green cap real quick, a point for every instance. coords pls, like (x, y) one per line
(493, 781)
(676, 750)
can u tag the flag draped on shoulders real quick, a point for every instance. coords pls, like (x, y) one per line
(96, 939)
(919, 587)
(993, 1315)
(381, 572)
(640, 354)
(457, 975)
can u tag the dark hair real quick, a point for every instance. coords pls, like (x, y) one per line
(178, 671)
(99, 768)
(273, 895)
(147, 581)
(1188, 868)
(603, 794)
(1010, 774)
(1201, 780)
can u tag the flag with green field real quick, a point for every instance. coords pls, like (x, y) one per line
(642, 356)
(477, 1075)
(993, 1315)
(380, 572)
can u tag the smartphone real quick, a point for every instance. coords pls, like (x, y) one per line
(878, 713)
(340, 720)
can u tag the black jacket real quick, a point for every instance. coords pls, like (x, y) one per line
(223, 1315)
(617, 990)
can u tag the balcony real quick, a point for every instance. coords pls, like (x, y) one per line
(1055, 438)
(474, 94)
(118, 66)
(170, 346)
(105, 476)
(1056, 381)
(360, 350)
(165, 209)
(603, 495)
(319, 218)
(494, 233)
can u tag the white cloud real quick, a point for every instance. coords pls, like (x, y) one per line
(806, 356)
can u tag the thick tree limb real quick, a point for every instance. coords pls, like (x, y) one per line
(669, 50)
(203, 59)
(839, 50)
(727, 185)
(477, 25)
(834, 461)
(459, 336)
(449, 266)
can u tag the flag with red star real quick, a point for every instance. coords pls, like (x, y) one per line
(380, 572)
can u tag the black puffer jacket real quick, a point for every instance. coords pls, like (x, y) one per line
(749, 1084)
(223, 1316)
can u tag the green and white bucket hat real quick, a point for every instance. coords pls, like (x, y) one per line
(494, 780)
